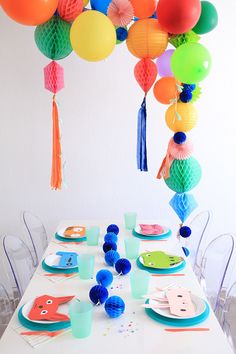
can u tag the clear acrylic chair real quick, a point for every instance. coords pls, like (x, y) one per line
(214, 265)
(37, 235)
(228, 318)
(6, 309)
(20, 261)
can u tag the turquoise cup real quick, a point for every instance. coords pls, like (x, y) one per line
(86, 266)
(92, 235)
(139, 281)
(132, 246)
(81, 315)
(130, 220)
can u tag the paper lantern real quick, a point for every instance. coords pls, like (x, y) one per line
(70, 9)
(181, 117)
(53, 38)
(143, 8)
(184, 175)
(146, 39)
(183, 204)
(120, 12)
(166, 90)
(145, 72)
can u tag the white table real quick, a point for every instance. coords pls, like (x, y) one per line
(134, 331)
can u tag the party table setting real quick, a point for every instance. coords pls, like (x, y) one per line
(119, 286)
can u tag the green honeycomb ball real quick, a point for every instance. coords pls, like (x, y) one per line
(184, 175)
(53, 38)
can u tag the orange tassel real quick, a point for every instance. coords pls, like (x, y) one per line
(164, 170)
(56, 176)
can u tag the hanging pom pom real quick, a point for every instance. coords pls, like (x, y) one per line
(114, 306)
(121, 34)
(179, 137)
(141, 138)
(186, 251)
(120, 12)
(111, 257)
(111, 237)
(104, 277)
(189, 87)
(123, 266)
(107, 246)
(70, 9)
(113, 228)
(98, 294)
(185, 231)
(185, 96)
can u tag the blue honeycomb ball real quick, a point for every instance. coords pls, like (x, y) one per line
(107, 246)
(186, 96)
(111, 257)
(189, 87)
(113, 228)
(123, 266)
(114, 306)
(186, 251)
(98, 294)
(121, 34)
(185, 231)
(111, 237)
(179, 137)
(104, 277)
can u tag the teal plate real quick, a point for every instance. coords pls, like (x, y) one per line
(161, 271)
(182, 322)
(150, 238)
(58, 271)
(41, 327)
(65, 239)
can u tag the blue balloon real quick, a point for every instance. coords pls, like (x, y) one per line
(100, 5)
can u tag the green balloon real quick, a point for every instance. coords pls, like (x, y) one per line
(53, 38)
(208, 19)
(184, 175)
(191, 63)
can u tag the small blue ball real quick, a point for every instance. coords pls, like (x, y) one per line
(114, 306)
(98, 294)
(190, 87)
(104, 277)
(107, 246)
(121, 34)
(110, 237)
(186, 251)
(111, 257)
(179, 137)
(123, 266)
(185, 231)
(185, 96)
(113, 228)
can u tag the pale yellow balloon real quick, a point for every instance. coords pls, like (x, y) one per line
(85, 2)
(93, 36)
(181, 117)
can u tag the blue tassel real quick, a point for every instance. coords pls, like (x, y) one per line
(141, 138)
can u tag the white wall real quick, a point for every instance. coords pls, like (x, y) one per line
(99, 109)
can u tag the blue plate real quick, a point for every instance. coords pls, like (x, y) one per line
(57, 271)
(161, 237)
(161, 271)
(182, 322)
(41, 327)
(66, 239)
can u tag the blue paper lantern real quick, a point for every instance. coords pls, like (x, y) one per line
(107, 246)
(100, 5)
(98, 294)
(114, 306)
(183, 204)
(110, 237)
(111, 257)
(123, 266)
(104, 277)
(113, 228)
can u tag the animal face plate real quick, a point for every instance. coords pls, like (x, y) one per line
(159, 260)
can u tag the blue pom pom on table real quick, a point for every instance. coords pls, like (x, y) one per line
(113, 228)
(179, 137)
(104, 277)
(111, 257)
(114, 306)
(123, 266)
(185, 231)
(108, 246)
(98, 294)
(111, 237)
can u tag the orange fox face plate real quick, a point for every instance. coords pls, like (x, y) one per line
(75, 231)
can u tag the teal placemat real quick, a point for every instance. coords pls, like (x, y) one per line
(182, 322)
(161, 271)
(57, 271)
(41, 327)
(161, 237)
(65, 239)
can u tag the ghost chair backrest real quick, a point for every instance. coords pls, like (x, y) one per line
(6, 309)
(229, 316)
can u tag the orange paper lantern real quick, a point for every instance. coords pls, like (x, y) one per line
(181, 117)
(146, 39)
(165, 90)
(143, 8)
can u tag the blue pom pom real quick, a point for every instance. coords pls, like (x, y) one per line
(185, 96)
(107, 246)
(121, 34)
(114, 306)
(113, 228)
(110, 237)
(98, 294)
(104, 277)
(123, 266)
(189, 87)
(111, 257)
(185, 231)
(179, 138)
(186, 251)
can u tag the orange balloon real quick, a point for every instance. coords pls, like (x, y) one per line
(30, 12)
(165, 90)
(143, 8)
(146, 39)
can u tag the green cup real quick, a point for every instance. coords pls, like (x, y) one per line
(86, 266)
(132, 247)
(92, 235)
(130, 220)
(139, 280)
(81, 315)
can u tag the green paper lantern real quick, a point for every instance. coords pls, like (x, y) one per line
(184, 175)
(208, 19)
(188, 37)
(53, 38)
